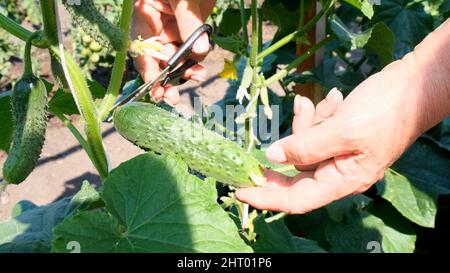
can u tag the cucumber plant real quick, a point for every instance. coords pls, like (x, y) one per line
(175, 181)
(29, 106)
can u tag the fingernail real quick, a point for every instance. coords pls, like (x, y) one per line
(202, 45)
(275, 153)
(297, 104)
(332, 94)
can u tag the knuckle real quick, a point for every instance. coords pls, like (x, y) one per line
(300, 154)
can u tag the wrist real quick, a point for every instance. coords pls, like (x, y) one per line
(429, 65)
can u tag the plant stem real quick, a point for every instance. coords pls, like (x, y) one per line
(254, 52)
(85, 104)
(254, 64)
(119, 63)
(276, 217)
(284, 72)
(83, 98)
(74, 132)
(302, 14)
(28, 70)
(20, 32)
(260, 30)
(243, 23)
(290, 37)
(49, 21)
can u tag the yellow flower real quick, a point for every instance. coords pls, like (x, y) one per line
(229, 70)
(152, 46)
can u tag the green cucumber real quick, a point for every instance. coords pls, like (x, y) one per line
(29, 107)
(150, 127)
(85, 14)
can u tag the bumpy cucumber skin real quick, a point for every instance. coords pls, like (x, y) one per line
(155, 129)
(29, 106)
(95, 24)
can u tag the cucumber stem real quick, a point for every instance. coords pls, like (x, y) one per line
(74, 132)
(251, 108)
(20, 32)
(284, 72)
(85, 103)
(49, 21)
(243, 23)
(28, 66)
(276, 217)
(301, 31)
(119, 63)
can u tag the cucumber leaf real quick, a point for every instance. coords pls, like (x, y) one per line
(153, 205)
(362, 232)
(415, 181)
(275, 237)
(407, 20)
(31, 229)
(378, 38)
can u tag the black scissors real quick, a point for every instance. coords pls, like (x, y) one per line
(167, 75)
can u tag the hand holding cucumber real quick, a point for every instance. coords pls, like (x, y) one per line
(366, 134)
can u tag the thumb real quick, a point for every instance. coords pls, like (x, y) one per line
(311, 146)
(189, 17)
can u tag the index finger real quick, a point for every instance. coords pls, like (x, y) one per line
(190, 15)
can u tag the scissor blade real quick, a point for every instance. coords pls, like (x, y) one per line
(138, 93)
(141, 91)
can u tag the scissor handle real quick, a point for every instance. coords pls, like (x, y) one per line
(186, 47)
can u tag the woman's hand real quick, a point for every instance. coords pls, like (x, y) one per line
(342, 147)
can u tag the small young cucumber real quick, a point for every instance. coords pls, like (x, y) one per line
(152, 128)
(29, 101)
(29, 109)
(97, 26)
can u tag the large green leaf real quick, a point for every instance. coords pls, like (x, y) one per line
(354, 229)
(231, 43)
(6, 123)
(283, 13)
(382, 43)
(31, 230)
(63, 102)
(154, 205)
(379, 38)
(416, 180)
(311, 225)
(362, 232)
(338, 209)
(407, 20)
(275, 237)
(231, 21)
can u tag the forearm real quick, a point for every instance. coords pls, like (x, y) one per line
(430, 62)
